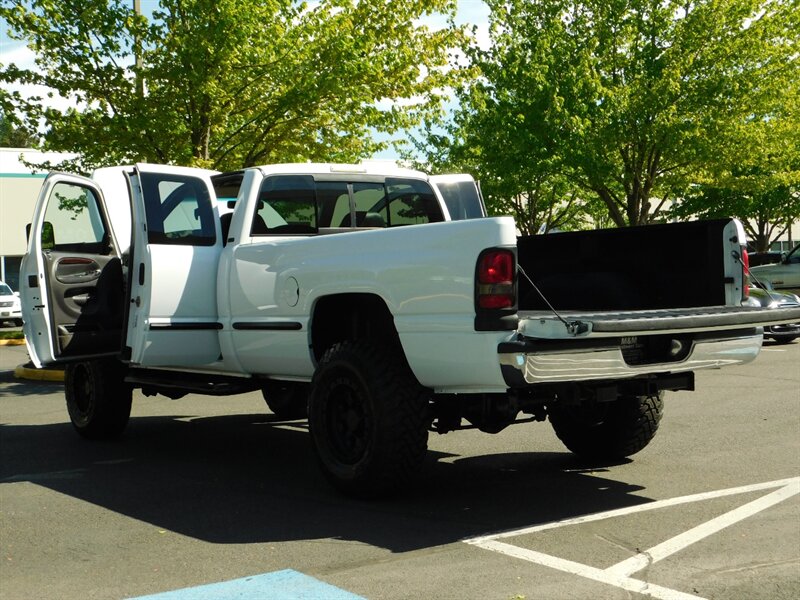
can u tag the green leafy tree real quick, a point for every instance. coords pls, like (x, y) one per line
(12, 135)
(756, 179)
(629, 100)
(229, 83)
(513, 182)
(766, 213)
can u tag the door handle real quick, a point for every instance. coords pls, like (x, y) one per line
(78, 277)
(82, 299)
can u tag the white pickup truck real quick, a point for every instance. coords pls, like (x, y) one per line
(366, 298)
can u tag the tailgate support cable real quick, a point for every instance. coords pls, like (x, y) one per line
(573, 327)
(749, 273)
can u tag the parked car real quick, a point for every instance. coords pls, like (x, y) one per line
(764, 258)
(785, 333)
(10, 309)
(784, 275)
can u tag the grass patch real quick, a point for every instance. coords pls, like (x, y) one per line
(11, 335)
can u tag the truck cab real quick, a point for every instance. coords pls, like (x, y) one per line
(119, 264)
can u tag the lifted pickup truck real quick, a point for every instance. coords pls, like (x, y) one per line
(350, 294)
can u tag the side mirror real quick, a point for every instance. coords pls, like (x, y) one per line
(48, 235)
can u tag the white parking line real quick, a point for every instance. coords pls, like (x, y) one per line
(679, 542)
(618, 575)
(626, 583)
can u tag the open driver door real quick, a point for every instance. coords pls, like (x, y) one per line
(71, 278)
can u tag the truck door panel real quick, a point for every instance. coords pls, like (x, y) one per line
(72, 275)
(176, 246)
(87, 301)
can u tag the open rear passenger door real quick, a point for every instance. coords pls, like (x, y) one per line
(176, 247)
(71, 278)
(462, 195)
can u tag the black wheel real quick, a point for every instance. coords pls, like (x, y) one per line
(368, 418)
(784, 340)
(98, 400)
(609, 430)
(18, 322)
(286, 399)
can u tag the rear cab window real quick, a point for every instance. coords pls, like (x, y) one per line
(307, 204)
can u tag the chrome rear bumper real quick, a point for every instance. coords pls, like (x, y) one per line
(523, 364)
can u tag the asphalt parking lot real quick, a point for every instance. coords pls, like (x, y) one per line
(215, 498)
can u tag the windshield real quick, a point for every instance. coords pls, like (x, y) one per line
(5, 290)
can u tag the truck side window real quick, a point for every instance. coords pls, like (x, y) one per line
(73, 221)
(178, 210)
(333, 200)
(286, 205)
(335, 210)
(369, 213)
(411, 202)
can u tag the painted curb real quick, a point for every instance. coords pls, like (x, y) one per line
(12, 342)
(23, 372)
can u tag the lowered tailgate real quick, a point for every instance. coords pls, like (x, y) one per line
(571, 325)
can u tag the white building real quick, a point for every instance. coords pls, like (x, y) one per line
(19, 188)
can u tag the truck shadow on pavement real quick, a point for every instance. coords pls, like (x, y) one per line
(251, 479)
(17, 387)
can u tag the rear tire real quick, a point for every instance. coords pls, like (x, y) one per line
(287, 400)
(98, 400)
(368, 418)
(610, 430)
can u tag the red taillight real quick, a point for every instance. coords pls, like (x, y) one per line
(496, 266)
(746, 274)
(495, 277)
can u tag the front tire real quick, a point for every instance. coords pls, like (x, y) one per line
(368, 418)
(608, 431)
(98, 400)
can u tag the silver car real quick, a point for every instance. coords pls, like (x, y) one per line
(783, 334)
(9, 305)
(784, 275)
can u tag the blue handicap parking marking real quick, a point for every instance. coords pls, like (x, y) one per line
(280, 585)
